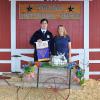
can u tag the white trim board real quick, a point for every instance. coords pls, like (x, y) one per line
(28, 51)
(15, 63)
(94, 73)
(94, 61)
(5, 61)
(94, 50)
(32, 50)
(5, 50)
(86, 37)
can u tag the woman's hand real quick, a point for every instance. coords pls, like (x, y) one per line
(70, 60)
(69, 47)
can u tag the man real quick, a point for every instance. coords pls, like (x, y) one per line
(42, 35)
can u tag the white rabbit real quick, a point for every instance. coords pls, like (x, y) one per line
(59, 59)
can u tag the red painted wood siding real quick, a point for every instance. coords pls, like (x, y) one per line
(95, 24)
(5, 34)
(94, 67)
(94, 55)
(5, 67)
(5, 56)
(97, 77)
(5, 24)
(25, 29)
(95, 35)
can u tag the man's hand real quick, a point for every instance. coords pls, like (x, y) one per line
(39, 40)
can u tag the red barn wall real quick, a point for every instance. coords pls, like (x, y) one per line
(5, 33)
(25, 28)
(95, 35)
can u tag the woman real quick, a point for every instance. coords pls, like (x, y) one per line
(62, 43)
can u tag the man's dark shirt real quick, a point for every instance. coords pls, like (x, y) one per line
(43, 36)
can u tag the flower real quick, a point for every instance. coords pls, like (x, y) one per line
(30, 70)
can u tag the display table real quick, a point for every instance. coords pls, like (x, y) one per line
(45, 73)
(59, 72)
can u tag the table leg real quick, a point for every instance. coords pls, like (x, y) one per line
(69, 78)
(38, 78)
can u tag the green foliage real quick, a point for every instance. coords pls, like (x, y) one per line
(29, 69)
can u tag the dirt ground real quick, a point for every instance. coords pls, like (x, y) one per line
(90, 90)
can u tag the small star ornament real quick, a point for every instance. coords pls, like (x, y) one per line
(29, 8)
(70, 8)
